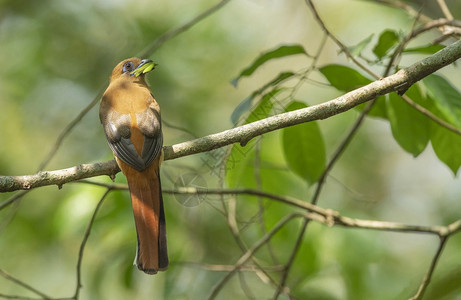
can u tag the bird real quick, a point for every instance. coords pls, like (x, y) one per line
(130, 116)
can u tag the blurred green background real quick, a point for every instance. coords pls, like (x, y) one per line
(55, 56)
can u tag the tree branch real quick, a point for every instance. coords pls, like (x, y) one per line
(427, 278)
(58, 177)
(327, 217)
(399, 81)
(176, 31)
(444, 9)
(23, 284)
(245, 257)
(82, 245)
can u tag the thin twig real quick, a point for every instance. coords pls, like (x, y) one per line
(5, 296)
(427, 278)
(446, 30)
(244, 286)
(13, 199)
(23, 284)
(251, 252)
(414, 33)
(282, 286)
(232, 224)
(176, 31)
(327, 216)
(82, 246)
(68, 129)
(430, 115)
(408, 8)
(451, 229)
(444, 8)
(179, 128)
(337, 41)
(228, 268)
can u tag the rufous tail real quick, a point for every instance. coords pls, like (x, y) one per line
(149, 217)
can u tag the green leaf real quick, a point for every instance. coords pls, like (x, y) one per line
(255, 112)
(447, 146)
(447, 99)
(410, 128)
(279, 52)
(357, 49)
(242, 108)
(387, 40)
(445, 102)
(343, 78)
(304, 148)
(264, 108)
(246, 104)
(281, 77)
(428, 49)
(347, 79)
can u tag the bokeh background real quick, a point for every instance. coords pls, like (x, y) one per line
(55, 57)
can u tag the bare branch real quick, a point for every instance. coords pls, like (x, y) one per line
(227, 268)
(445, 10)
(68, 129)
(408, 8)
(446, 232)
(427, 278)
(23, 284)
(401, 80)
(430, 115)
(337, 41)
(13, 199)
(5, 296)
(414, 33)
(251, 251)
(176, 31)
(82, 246)
(327, 216)
(58, 177)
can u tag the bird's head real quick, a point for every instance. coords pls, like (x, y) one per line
(133, 68)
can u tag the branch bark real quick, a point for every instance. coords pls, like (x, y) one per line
(398, 82)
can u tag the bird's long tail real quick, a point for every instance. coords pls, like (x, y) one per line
(149, 217)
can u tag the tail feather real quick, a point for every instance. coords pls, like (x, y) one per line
(149, 216)
(163, 253)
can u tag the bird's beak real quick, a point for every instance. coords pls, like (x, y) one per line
(144, 67)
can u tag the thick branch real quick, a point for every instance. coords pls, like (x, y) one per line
(399, 81)
(58, 177)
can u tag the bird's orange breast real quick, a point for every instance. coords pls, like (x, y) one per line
(127, 97)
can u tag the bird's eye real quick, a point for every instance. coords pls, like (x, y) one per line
(128, 67)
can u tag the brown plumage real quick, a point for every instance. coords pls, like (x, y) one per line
(131, 119)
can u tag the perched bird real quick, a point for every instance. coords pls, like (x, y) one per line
(131, 120)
